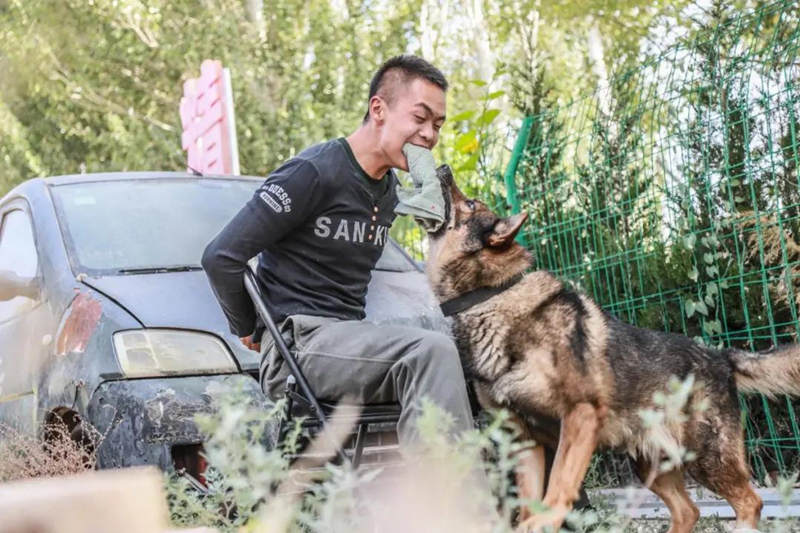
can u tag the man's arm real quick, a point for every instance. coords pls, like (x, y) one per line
(283, 202)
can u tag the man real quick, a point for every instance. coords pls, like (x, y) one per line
(319, 223)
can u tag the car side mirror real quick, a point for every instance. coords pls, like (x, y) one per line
(13, 285)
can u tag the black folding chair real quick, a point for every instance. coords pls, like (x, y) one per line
(300, 398)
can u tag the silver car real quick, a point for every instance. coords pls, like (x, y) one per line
(107, 317)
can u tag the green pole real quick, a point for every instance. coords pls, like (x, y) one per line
(511, 170)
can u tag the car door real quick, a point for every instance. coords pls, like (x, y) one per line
(22, 319)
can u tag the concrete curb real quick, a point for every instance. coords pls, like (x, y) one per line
(639, 502)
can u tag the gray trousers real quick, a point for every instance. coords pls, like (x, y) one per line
(374, 363)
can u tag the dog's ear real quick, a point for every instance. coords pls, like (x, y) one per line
(505, 230)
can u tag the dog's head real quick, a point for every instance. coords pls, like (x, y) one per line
(474, 247)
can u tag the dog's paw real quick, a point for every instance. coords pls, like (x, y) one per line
(547, 522)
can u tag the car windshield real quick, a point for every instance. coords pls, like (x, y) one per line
(156, 225)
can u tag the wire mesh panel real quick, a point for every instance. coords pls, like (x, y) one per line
(672, 197)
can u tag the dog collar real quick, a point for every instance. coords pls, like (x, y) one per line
(476, 296)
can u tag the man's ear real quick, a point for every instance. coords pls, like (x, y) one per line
(505, 230)
(377, 108)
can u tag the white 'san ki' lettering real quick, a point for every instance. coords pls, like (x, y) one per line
(350, 231)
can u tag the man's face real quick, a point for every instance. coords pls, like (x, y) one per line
(415, 117)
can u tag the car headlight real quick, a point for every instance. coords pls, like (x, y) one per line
(164, 352)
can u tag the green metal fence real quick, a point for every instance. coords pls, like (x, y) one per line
(673, 198)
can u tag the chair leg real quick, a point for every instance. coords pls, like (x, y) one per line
(359, 446)
(284, 424)
(291, 386)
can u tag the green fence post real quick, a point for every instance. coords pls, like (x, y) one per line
(511, 171)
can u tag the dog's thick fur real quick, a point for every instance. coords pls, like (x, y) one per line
(545, 351)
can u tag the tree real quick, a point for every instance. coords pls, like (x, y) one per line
(107, 99)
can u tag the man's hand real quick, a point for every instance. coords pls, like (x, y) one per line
(249, 344)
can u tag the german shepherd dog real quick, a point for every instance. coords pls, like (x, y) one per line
(544, 351)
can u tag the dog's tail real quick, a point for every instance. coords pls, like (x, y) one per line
(770, 373)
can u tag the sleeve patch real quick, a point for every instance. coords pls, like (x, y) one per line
(276, 198)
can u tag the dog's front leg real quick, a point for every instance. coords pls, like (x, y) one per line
(530, 478)
(530, 469)
(577, 442)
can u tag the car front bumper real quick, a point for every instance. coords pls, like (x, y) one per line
(148, 421)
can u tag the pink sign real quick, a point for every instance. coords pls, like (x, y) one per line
(209, 133)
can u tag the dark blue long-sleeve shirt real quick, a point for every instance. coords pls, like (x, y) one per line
(318, 225)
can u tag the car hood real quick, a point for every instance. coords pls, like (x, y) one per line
(185, 300)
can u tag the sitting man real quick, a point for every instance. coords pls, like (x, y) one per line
(318, 224)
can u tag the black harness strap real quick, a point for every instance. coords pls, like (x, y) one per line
(476, 296)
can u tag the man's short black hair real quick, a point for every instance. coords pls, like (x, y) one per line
(402, 69)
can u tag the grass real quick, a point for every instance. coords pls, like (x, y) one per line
(444, 486)
(53, 453)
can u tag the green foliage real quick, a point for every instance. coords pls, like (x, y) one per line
(244, 468)
(441, 487)
(94, 85)
(107, 99)
(246, 472)
(671, 195)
